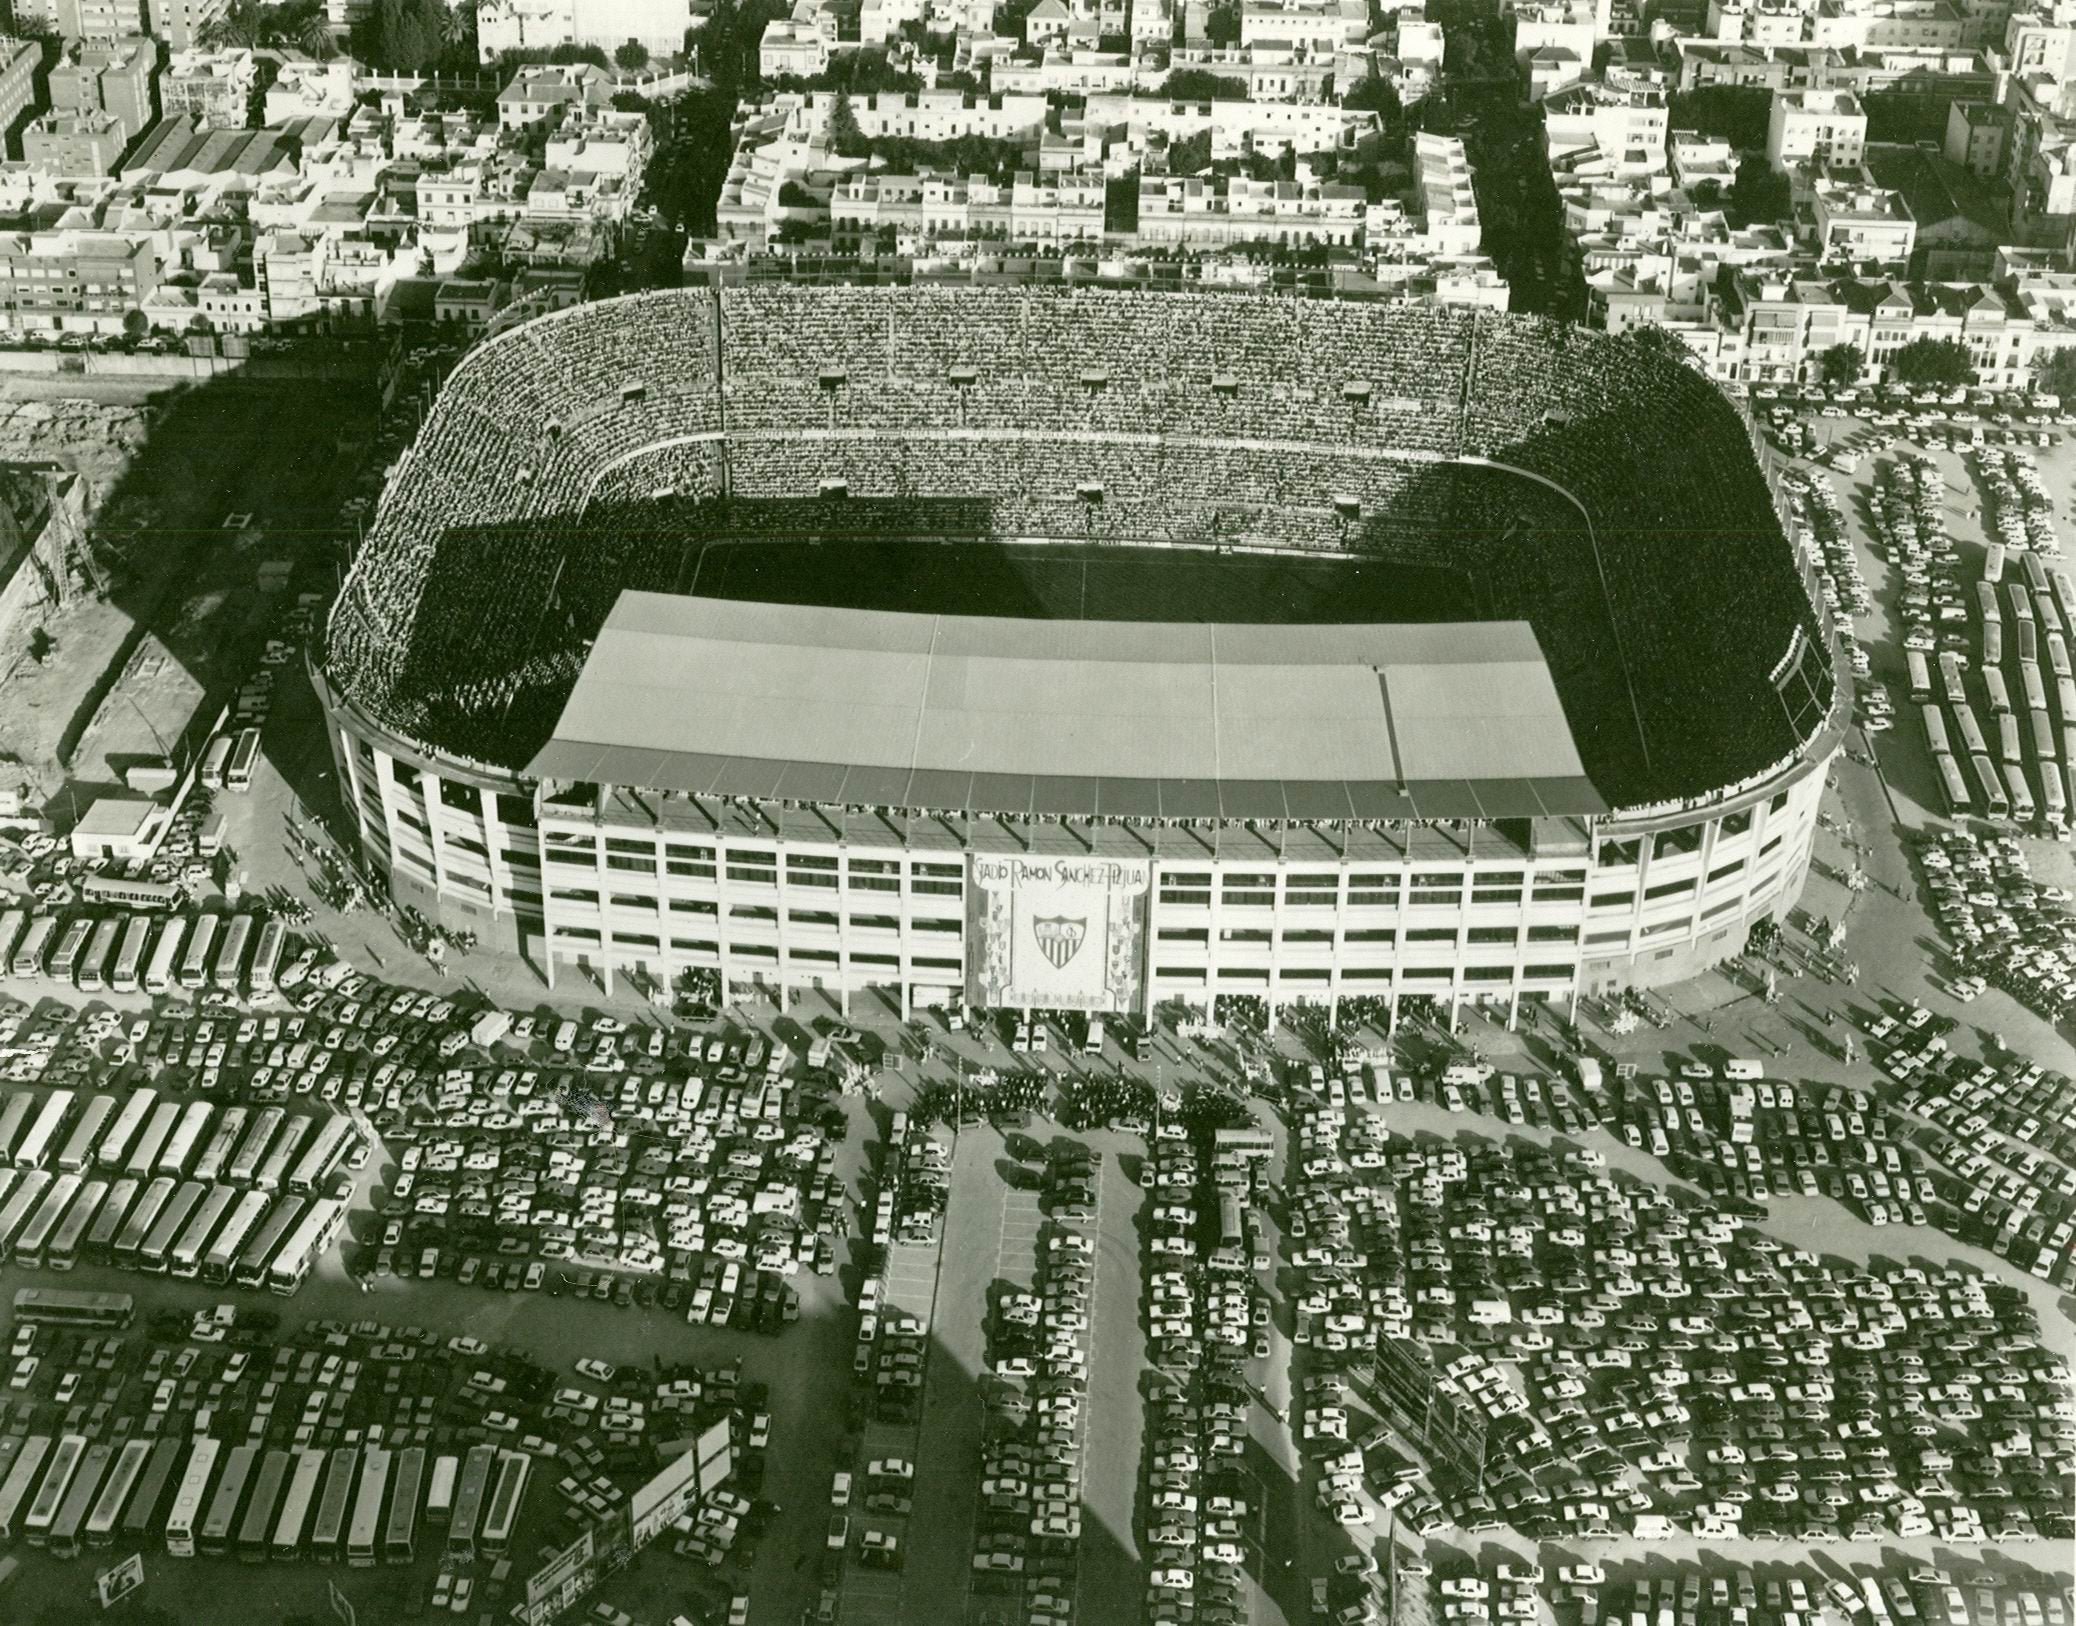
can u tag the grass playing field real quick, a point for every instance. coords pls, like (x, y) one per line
(1060, 582)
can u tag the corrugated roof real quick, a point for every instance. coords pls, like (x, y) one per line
(1136, 719)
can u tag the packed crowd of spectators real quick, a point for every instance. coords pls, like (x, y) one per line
(1090, 415)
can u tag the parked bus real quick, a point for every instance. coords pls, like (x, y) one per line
(72, 1230)
(79, 1501)
(257, 1528)
(43, 1224)
(297, 1503)
(1994, 804)
(334, 1140)
(23, 1199)
(108, 1224)
(305, 1245)
(186, 1259)
(13, 923)
(194, 964)
(64, 1307)
(151, 1202)
(1999, 691)
(130, 1115)
(34, 948)
(503, 1514)
(251, 1268)
(237, 772)
(151, 1139)
(14, 1490)
(129, 958)
(266, 959)
(86, 1134)
(65, 960)
(2021, 796)
(367, 1508)
(14, 1118)
(144, 1519)
(274, 1167)
(2008, 740)
(468, 1503)
(162, 970)
(1920, 675)
(229, 968)
(142, 1522)
(439, 1499)
(223, 1139)
(245, 1164)
(43, 1129)
(92, 971)
(214, 1537)
(213, 761)
(400, 1536)
(187, 1134)
(126, 892)
(154, 1256)
(1935, 729)
(188, 1499)
(115, 1492)
(230, 1242)
(339, 1480)
(50, 1495)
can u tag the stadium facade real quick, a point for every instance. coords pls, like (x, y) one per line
(1601, 778)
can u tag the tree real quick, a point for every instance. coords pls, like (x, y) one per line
(1196, 85)
(1758, 196)
(1940, 362)
(1839, 367)
(1735, 113)
(846, 139)
(405, 36)
(315, 38)
(631, 57)
(1222, 25)
(2055, 372)
(135, 324)
(1373, 93)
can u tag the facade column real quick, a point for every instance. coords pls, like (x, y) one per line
(1513, 1005)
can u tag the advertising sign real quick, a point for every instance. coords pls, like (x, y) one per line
(655, 1505)
(1062, 933)
(113, 1585)
(560, 1582)
(342, 1607)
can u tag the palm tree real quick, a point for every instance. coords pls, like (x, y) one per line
(315, 38)
(238, 26)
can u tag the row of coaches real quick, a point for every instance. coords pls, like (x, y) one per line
(130, 952)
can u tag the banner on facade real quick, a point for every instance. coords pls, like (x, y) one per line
(1059, 933)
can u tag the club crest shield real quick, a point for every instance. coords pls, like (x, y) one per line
(1059, 937)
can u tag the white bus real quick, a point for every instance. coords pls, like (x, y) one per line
(223, 1139)
(297, 1504)
(213, 760)
(186, 1259)
(188, 1499)
(23, 1199)
(115, 1493)
(274, 1167)
(163, 968)
(86, 1134)
(35, 1145)
(64, 959)
(251, 1268)
(266, 959)
(154, 1256)
(194, 964)
(245, 1161)
(63, 1253)
(129, 959)
(129, 1118)
(12, 924)
(230, 1242)
(43, 1224)
(50, 1495)
(144, 1156)
(187, 1134)
(100, 949)
(334, 1140)
(237, 772)
(367, 1509)
(229, 968)
(14, 1490)
(14, 1117)
(305, 1245)
(502, 1512)
(129, 1243)
(35, 944)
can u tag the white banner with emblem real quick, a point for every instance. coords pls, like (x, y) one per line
(1062, 933)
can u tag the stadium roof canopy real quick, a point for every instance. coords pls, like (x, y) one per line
(984, 714)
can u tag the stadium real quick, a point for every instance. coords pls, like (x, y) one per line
(1083, 649)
